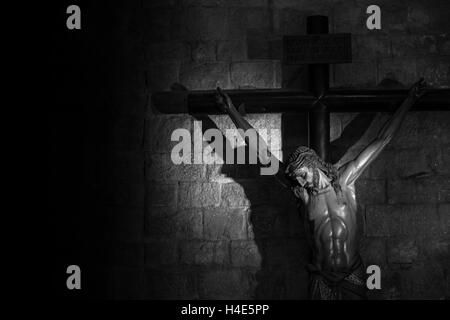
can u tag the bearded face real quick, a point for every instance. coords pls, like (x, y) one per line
(304, 176)
(307, 178)
(303, 169)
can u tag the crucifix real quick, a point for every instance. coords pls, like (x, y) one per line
(325, 192)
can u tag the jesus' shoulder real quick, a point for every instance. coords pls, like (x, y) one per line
(347, 184)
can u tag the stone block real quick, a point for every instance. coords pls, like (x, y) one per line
(405, 163)
(444, 217)
(317, 7)
(257, 20)
(357, 74)
(402, 251)
(168, 51)
(438, 19)
(404, 220)
(225, 224)
(436, 71)
(234, 195)
(443, 160)
(422, 129)
(245, 254)
(430, 189)
(165, 223)
(374, 252)
(224, 3)
(370, 46)
(424, 281)
(414, 45)
(254, 74)
(418, 17)
(275, 53)
(422, 221)
(200, 23)
(258, 47)
(159, 130)
(335, 126)
(226, 284)
(231, 50)
(198, 194)
(370, 191)
(436, 249)
(160, 167)
(205, 253)
(246, 3)
(236, 28)
(205, 76)
(403, 70)
(443, 44)
(203, 51)
(349, 17)
(379, 220)
(290, 21)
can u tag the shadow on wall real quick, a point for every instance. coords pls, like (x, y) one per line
(276, 224)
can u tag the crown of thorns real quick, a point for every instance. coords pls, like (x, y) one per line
(303, 156)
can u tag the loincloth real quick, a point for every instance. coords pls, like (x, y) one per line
(331, 285)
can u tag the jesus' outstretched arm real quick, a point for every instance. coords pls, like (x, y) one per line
(352, 170)
(265, 156)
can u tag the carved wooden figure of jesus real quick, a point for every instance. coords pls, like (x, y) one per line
(327, 195)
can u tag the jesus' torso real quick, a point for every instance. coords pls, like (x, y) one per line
(332, 228)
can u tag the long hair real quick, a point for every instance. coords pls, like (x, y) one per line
(306, 157)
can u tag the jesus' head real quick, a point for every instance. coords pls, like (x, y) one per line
(310, 172)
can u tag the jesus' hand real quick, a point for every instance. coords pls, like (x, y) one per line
(418, 89)
(223, 101)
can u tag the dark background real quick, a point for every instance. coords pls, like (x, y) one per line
(141, 227)
(81, 69)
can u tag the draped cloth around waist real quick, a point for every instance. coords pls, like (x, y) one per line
(338, 285)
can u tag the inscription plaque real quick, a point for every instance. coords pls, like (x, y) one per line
(317, 48)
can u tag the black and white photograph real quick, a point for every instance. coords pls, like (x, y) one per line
(227, 154)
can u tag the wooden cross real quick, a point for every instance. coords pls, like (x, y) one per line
(318, 49)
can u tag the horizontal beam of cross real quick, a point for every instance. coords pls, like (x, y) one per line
(291, 101)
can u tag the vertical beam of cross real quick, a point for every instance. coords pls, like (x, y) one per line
(319, 117)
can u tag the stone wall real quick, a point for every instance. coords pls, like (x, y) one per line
(225, 231)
